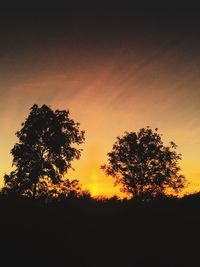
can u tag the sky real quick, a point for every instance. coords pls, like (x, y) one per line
(115, 69)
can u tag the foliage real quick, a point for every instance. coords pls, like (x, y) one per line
(65, 189)
(44, 150)
(143, 166)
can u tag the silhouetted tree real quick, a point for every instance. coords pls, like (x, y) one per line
(143, 165)
(45, 149)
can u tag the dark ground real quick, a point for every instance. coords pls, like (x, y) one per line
(90, 233)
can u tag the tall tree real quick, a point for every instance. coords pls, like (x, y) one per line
(45, 149)
(143, 166)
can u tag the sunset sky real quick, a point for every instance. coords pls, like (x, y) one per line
(116, 70)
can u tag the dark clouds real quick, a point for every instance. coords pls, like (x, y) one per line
(33, 40)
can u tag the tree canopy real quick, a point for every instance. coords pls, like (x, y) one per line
(45, 149)
(143, 166)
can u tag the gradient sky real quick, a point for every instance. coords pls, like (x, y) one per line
(115, 70)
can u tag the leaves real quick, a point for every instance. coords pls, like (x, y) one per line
(141, 163)
(45, 148)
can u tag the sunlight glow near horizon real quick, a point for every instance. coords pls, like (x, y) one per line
(125, 92)
(94, 187)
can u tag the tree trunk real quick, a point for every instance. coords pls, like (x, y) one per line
(34, 190)
(135, 189)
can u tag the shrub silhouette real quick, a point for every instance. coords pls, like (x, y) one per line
(143, 165)
(45, 149)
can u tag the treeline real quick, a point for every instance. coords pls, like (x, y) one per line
(87, 232)
(47, 220)
(49, 141)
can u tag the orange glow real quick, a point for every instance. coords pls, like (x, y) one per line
(109, 97)
(94, 187)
